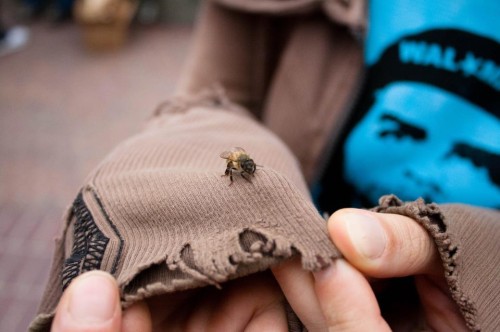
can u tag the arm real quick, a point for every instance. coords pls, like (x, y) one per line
(233, 49)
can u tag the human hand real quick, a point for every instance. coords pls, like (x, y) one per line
(91, 303)
(374, 245)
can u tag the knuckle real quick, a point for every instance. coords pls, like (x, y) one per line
(410, 245)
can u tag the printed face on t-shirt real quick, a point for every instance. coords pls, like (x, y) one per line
(418, 140)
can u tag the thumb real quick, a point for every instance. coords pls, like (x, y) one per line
(384, 245)
(91, 303)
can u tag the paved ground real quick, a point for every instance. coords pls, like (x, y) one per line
(61, 110)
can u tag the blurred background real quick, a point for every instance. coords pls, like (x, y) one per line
(76, 78)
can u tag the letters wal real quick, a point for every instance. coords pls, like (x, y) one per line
(446, 58)
(392, 20)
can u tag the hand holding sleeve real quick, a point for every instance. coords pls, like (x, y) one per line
(158, 215)
(467, 239)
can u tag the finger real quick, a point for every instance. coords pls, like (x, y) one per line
(247, 299)
(137, 318)
(170, 307)
(91, 303)
(271, 318)
(247, 303)
(383, 245)
(298, 286)
(347, 300)
(441, 312)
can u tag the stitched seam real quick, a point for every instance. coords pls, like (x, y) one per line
(115, 230)
(88, 247)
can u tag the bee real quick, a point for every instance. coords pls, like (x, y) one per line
(238, 161)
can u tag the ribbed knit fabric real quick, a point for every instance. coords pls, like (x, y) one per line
(341, 61)
(473, 275)
(159, 216)
(464, 257)
(261, 61)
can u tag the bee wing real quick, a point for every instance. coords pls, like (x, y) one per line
(225, 154)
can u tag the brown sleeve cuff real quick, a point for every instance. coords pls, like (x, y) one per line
(158, 215)
(468, 241)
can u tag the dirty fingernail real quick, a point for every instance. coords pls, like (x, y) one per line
(325, 273)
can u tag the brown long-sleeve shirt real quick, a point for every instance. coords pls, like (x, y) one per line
(157, 214)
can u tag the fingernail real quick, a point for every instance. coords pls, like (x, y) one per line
(324, 273)
(366, 234)
(93, 300)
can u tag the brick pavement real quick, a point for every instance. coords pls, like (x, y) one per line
(61, 110)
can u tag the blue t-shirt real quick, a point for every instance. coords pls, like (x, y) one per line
(427, 123)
